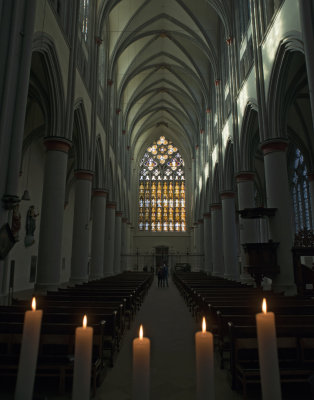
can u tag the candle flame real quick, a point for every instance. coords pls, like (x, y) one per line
(204, 325)
(264, 306)
(34, 304)
(141, 332)
(85, 321)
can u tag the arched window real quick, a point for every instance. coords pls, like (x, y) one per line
(162, 189)
(84, 18)
(301, 193)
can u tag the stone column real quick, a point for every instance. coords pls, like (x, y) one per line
(98, 233)
(117, 243)
(306, 17)
(229, 236)
(80, 242)
(278, 196)
(248, 227)
(124, 229)
(52, 208)
(200, 229)
(217, 249)
(208, 267)
(109, 238)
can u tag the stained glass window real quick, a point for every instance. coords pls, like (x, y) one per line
(301, 193)
(162, 189)
(84, 18)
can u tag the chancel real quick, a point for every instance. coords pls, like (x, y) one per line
(157, 170)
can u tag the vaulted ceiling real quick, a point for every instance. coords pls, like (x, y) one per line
(163, 61)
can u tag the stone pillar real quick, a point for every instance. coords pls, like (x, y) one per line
(98, 234)
(278, 196)
(109, 238)
(52, 208)
(80, 241)
(208, 267)
(229, 236)
(117, 243)
(311, 187)
(248, 227)
(306, 17)
(217, 249)
(200, 229)
(124, 230)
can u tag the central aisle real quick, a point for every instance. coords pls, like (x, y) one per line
(171, 328)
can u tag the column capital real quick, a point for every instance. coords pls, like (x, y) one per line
(207, 215)
(245, 176)
(274, 146)
(215, 206)
(111, 204)
(119, 213)
(100, 193)
(84, 174)
(227, 195)
(54, 143)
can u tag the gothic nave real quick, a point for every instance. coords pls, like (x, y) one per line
(141, 133)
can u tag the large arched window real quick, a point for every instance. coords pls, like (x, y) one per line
(300, 193)
(162, 189)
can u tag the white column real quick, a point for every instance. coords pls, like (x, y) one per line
(109, 238)
(117, 243)
(98, 234)
(208, 267)
(248, 227)
(229, 236)
(217, 249)
(80, 241)
(52, 208)
(278, 196)
(200, 229)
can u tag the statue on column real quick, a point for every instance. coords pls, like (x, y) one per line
(16, 222)
(30, 226)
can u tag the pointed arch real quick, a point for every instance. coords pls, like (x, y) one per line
(44, 46)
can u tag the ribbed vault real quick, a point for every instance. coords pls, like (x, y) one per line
(162, 62)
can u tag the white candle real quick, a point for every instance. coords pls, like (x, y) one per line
(268, 354)
(141, 359)
(82, 361)
(204, 346)
(28, 355)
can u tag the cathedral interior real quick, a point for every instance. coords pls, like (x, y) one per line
(138, 136)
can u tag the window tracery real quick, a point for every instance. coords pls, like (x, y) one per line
(162, 189)
(301, 193)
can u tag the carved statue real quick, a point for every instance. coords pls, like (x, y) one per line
(30, 226)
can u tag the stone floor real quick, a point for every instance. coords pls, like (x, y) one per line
(171, 328)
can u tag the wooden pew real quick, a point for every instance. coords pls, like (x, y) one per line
(55, 354)
(244, 354)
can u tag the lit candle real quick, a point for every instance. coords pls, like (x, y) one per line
(204, 344)
(141, 359)
(82, 361)
(29, 352)
(268, 354)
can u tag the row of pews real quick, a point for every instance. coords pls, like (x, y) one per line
(230, 309)
(110, 305)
